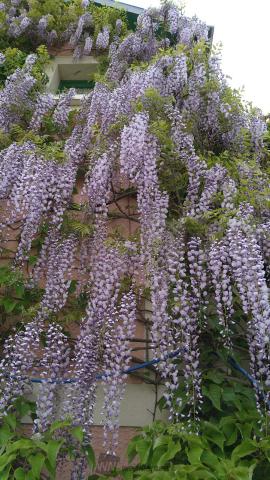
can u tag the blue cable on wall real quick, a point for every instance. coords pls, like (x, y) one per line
(155, 361)
(104, 375)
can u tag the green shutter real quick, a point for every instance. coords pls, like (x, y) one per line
(80, 85)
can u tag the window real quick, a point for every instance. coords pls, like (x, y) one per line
(64, 73)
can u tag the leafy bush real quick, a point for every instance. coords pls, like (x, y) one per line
(35, 458)
(230, 449)
(15, 58)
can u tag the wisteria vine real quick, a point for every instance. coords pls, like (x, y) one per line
(164, 133)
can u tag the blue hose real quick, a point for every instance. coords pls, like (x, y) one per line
(104, 375)
(155, 361)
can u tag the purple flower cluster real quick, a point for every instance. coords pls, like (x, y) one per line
(213, 179)
(132, 153)
(54, 364)
(12, 162)
(249, 275)
(45, 102)
(83, 22)
(15, 98)
(88, 44)
(61, 113)
(221, 272)
(173, 18)
(188, 290)
(118, 25)
(98, 185)
(20, 353)
(105, 278)
(59, 272)
(117, 356)
(196, 168)
(103, 39)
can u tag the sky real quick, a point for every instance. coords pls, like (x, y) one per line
(243, 28)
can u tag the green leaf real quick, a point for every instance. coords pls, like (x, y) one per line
(143, 448)
(5, 460)
(23, 444)
(161, 476)
(210, 459)
(232, 439)
(19, 289)
(23, 408)
(50, 469)
(77, 433)
(127, 475)
(11, 420)
(228, 426)
(247, 447)
(53, 450)
(157, 453)
(202, 475)
(4, 274)
(36, 462)
(213, 433)
(32, 259)
(214, 394)
(9, 304)
(161, 440)
(5, 434)
(20, 474)
(194, 453)
(214, 376)
(228, 395)
(245, 429)
(173, 449)
(59, 424)
(90, 456)
(5, 475)
(142, 475)
(131, 451)
(265, 444)
(242, 473)
(237, 402)
(182, 470)
(42, 445)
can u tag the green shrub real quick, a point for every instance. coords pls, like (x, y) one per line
(35, 458)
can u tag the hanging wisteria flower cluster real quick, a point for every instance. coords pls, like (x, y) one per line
(165, 131)
(79, 25)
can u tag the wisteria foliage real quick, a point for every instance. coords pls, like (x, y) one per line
(76, 23)
(164, 107)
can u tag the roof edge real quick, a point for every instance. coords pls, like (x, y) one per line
(125, 6)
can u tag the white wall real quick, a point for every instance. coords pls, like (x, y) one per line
(137, 406)
(64, 68)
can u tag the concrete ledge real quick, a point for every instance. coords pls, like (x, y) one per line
(76, 100)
